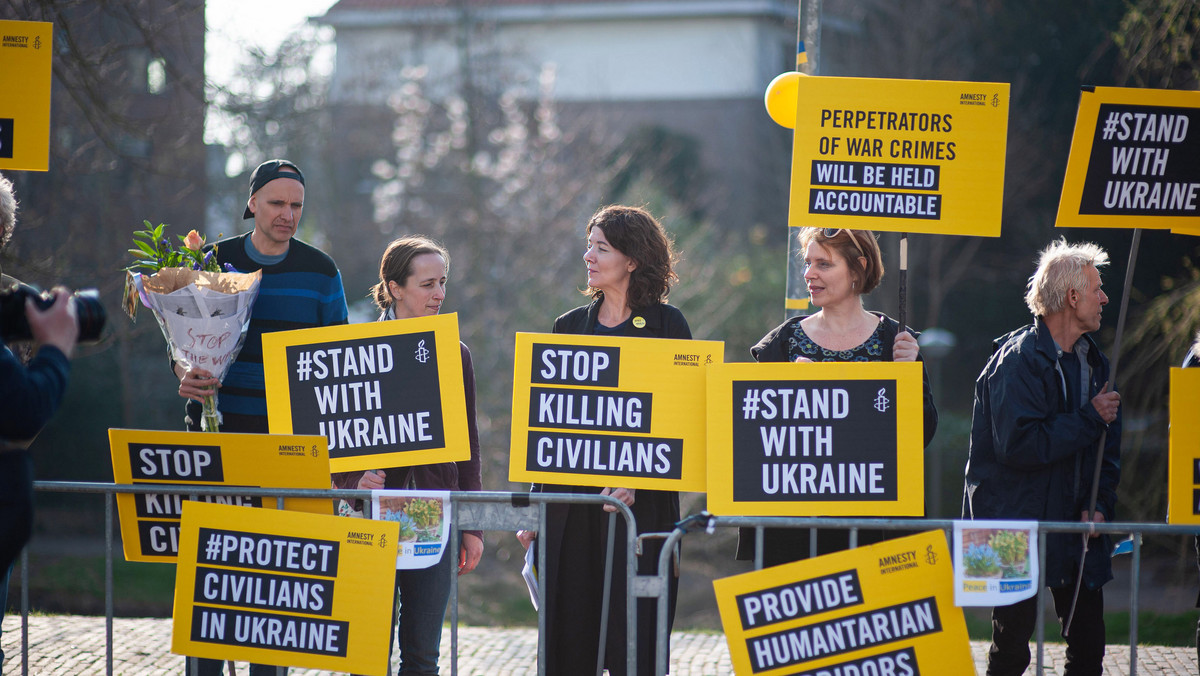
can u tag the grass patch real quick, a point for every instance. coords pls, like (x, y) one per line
(75, 584)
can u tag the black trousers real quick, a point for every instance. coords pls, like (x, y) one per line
(1013, 626)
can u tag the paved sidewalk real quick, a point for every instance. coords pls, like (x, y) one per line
(73, 644)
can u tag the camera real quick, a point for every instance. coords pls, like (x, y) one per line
(15, 327)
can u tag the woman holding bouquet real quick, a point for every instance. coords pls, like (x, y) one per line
(412, 283)
(629, 272)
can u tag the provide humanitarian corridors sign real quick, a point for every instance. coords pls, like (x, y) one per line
(883, 609)
(1135, 160)
(284, 588)
(608, 411)
(1183, 475)
(815, 439)
(150, 521)
(900, 155)
(385, 394)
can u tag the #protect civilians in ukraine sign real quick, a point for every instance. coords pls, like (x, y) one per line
(150, 521)
(385, 394)
(607, 411)
(883, 609)
(815, 439)
(900, 155)
(283, 588)
(1135, 161)
(1183, 474)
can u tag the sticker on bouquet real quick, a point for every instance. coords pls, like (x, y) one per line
(202, 311)
(996, 562)
(424, 518)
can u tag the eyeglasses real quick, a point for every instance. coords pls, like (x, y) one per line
(831, 233)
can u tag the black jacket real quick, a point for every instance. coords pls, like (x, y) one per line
(1033, 458)
(773, 348)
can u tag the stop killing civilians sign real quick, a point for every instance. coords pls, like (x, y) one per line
(1135, 161)
(385, 394)
(609, 411)
(1183, 474)
(284, 588)
(883, 609)
(901, 155)
(150, 521)
(816, 439)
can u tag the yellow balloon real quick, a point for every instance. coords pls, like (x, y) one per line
(781, 98)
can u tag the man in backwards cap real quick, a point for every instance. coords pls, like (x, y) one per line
(301, 288)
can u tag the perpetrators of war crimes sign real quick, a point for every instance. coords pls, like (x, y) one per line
(608, 411)
(883, 609)
(900, 155)
(385, 394)
(815, 439)
(284, 588)
(1183, 475)
(150, 521)
(1135, 161)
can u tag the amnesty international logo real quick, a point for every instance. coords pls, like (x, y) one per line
(931, 556)
(422, 353)
(881, 401)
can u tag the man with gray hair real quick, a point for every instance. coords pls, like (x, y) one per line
(1042, 404)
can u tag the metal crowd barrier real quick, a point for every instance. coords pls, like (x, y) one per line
(472, 510)
(707, 522)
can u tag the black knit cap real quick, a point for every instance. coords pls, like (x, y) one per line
(269, 171)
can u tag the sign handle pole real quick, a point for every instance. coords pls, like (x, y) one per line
(903, 281)
(1112, 379)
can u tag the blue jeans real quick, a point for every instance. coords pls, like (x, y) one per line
(424, 594)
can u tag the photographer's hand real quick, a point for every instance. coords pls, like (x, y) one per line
(57, 325)
(196, 383)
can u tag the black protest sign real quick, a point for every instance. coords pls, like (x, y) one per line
(384, 394)
(816, 439)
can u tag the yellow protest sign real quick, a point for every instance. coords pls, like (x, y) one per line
(1183, 468)
(610, 411)
(900, 155)
(385, 394)
(25, 49)
(816, 439)
(150, 521)
(284, 588)
(1135, 160)
(883, 609)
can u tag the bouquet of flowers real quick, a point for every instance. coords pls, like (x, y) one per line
(203, 311)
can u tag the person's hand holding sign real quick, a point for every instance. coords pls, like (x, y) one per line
(372, 480)
(905, 347)
(1107, 404)
(625, 495)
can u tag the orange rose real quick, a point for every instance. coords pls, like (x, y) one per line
(194, 241)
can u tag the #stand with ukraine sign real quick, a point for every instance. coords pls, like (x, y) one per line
(284, 588)
(384, 394)
(883, 609)
(599, 410)
(815, 439)
(150, 521)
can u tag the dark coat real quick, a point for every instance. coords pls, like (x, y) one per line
(784, 545)
(575, 540)
(1032, 458)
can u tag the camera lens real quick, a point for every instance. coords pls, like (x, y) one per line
(14, 326)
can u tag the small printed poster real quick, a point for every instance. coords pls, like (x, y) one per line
(424, 520)
(995, 563)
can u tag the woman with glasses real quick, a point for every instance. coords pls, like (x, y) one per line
(840, 266)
